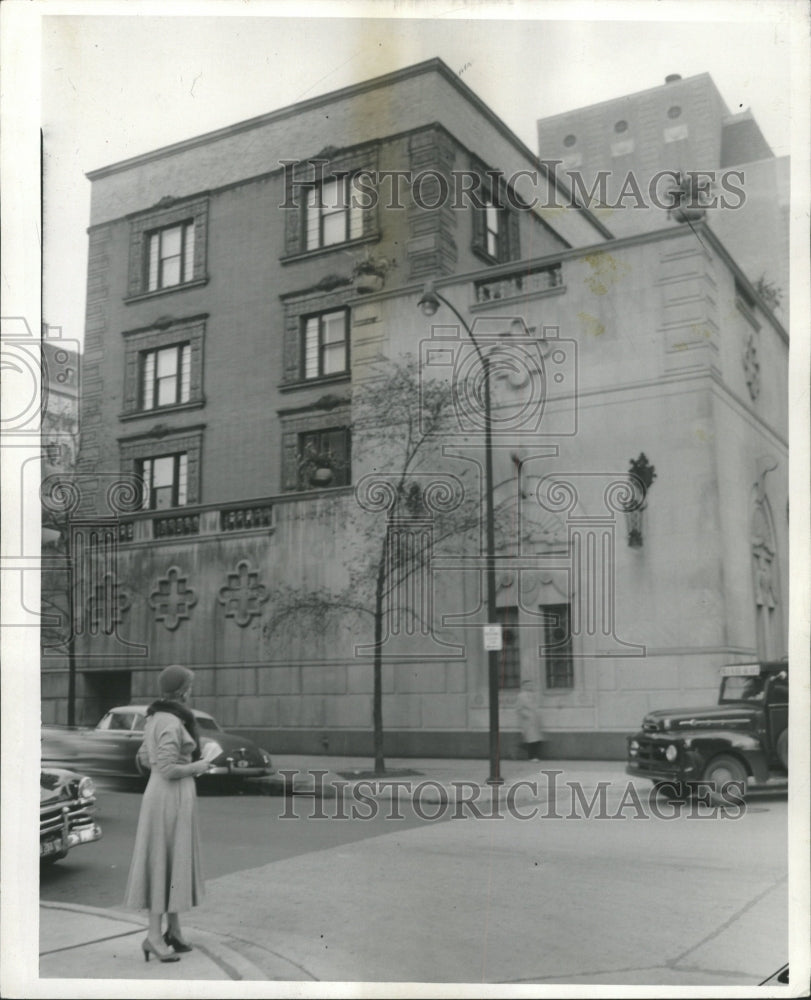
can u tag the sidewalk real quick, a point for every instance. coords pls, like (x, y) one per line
(439, 779)
(87, 942)
(84, 942)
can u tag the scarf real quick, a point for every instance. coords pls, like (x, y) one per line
(186, 717)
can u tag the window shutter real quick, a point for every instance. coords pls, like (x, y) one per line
(512, 241)
(480, 230)
(188, 252)
(290, 461)
(147, 383)
(185, 372)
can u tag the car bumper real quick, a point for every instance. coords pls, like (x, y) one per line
(234, 770)
(653, 773)
(56, 845)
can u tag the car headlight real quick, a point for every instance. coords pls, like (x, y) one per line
(87, 788)
(672, 752)
(265, 757)
(633, 748)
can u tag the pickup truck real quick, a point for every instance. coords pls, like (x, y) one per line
(741, 740)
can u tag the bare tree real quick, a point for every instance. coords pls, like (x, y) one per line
(397, 429)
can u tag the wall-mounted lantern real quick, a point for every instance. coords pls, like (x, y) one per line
(690, 198)
(640, 477)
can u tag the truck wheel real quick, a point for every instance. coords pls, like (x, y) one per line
(720, 772)
(782, 748)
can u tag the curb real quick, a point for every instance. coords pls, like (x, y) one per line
(213, 946)
(320, 783)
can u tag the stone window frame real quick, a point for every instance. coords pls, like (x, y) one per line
(549, 670)
(337, 415)
(311, 172)
(168, 212)
(161, 441)
(298, 308)
(318, 315)
(508, 233)
(162, 334)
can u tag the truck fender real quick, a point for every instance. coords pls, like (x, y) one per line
(748, 750)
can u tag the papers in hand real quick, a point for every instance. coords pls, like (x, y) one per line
(209, 752)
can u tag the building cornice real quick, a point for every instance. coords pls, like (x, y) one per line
(435, 65)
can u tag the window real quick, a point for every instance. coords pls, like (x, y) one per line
(164, 479)
(170, 256)
(557, 646)
(324, 344)
(492, 226)
(510, 657)
(495, 227)
(324, 458)
(165, 376)
(329, 214)
(168, 247)
(164, 365)
(168, 465)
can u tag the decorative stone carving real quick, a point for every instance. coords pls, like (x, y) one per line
(107, 604)
(243, 595)
(172, 600)
(751, 367)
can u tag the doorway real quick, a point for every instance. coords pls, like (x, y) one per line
(103, 690)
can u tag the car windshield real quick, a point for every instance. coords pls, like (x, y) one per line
(743, 688)
(207, 723)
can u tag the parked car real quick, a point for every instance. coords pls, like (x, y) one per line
(110, 749)
(67, 804)
(744, 738)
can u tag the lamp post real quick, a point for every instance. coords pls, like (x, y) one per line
(429, 304)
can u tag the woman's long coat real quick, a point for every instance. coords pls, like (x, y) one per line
(529, 717)
(166, 872)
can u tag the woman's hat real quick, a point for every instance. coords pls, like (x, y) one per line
(174, 679)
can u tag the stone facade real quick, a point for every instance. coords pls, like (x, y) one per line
(653, 343)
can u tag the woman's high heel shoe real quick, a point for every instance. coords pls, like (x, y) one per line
(176, 943)
(162, 956)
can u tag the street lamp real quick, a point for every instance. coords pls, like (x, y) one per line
(429, 304)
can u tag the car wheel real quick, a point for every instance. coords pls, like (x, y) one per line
(675, 791)
(719, 773)
(782, 748)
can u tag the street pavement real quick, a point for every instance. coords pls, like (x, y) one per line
(546, 898)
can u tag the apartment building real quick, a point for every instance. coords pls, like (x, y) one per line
(238, 299)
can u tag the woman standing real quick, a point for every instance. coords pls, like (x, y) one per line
(165, 873)
(530, 719)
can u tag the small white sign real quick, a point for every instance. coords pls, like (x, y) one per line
(492, 637)
(741, 670)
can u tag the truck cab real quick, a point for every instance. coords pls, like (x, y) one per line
(742, 739)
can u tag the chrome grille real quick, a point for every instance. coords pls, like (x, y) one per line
(65, 815)
(651, 755)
